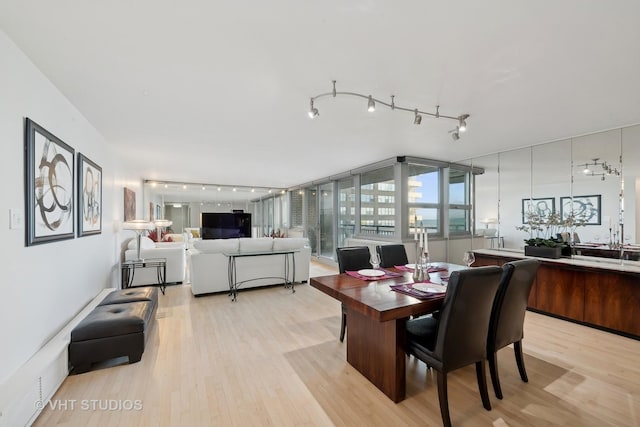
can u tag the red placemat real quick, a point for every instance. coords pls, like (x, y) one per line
(408, 289)
(387, 275)
(433, 269)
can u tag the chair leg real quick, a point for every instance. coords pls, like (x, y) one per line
(493, 370)
(444, 399)
(343, 325)
(517, 349)
(482, 385)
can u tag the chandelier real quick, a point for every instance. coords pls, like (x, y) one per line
(461, 125)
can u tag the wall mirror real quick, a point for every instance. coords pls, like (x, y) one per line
(595, 176)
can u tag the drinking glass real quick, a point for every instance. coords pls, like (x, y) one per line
(468, 258)
(375, 260)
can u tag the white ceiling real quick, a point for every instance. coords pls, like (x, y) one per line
(218, 91)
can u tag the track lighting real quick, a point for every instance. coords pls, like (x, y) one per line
(606, 169)
(418, 118)
(313, 112)
(371, 106)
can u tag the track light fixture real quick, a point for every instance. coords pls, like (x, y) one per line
(371, 106)
(607, 169)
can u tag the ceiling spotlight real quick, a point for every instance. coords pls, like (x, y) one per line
(253, 190)
(270, 191)
(235, 189)
(418, 118)
(166, 186)
(219, 188)
(371, 107)
(313, 112)
(586, 170)
(204, 188)
(462, 124)
(184, 187)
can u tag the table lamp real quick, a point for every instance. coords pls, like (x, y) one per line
(137, 225)
(160, 225)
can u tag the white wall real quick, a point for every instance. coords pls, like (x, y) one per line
(44, 286)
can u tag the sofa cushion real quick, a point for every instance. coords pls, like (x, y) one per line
(145, 243)
(260, 244)
(290, 243)
(216, 245)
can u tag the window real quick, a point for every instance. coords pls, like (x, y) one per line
(459, 201)
(347, 209)
(424, 205)
(373, 185)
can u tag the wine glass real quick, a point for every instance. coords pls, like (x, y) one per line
(468, 258)
(375, 260)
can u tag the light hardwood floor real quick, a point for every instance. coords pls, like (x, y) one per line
(274, 359)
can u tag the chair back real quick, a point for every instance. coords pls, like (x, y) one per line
(353, 258)
(510, 304)
(392, 255)
(464, 316)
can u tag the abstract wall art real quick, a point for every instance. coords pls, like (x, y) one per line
(49, 180)
(89, 197)
(129, 204)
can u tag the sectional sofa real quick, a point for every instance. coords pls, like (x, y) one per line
(209, 266)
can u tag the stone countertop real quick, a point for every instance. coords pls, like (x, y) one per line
(576, 260)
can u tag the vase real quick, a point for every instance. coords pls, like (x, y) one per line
(543, 251)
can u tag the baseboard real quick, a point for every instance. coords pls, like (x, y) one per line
(27, 391)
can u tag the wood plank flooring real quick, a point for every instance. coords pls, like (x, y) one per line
(274, 359)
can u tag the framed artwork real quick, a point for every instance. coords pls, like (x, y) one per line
(129, 205)
(151, 212)
(543, 207)
(48, 186)
(587, 207)
(89, 197)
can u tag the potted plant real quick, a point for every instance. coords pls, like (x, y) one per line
(545, 234)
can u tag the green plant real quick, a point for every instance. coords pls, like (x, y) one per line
(546, 230)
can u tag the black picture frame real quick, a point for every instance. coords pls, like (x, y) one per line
(89, 197)
(543, 206)
(587, 206)
(49, 186)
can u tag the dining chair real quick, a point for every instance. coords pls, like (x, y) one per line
(392, 255)
(457, 338)
(351, 258)
(507, 316)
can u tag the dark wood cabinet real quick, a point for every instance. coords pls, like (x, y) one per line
(605, 298)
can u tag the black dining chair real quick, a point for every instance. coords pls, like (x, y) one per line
(351, 258)
(392, 255)
(457, 338)
(507, 316)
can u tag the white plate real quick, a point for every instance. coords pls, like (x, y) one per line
(370, 272)
(411, 266)
(431, 288)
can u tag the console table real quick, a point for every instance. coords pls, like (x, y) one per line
(128, 269)
(234, 284)
(600, 293)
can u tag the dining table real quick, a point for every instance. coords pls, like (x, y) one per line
(378, 307)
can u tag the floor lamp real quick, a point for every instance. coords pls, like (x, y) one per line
(137, 225)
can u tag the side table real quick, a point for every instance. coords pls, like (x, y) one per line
(128, 269)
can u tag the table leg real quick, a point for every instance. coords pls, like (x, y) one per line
(376, 350)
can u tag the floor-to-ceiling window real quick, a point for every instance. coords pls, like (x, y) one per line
(423, 201)
(346, 210)
(459, 201)
(377, 202)
(325, 196)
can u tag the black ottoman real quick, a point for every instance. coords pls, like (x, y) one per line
(110, 331)
(132, 295)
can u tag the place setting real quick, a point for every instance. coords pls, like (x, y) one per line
(374, 273)
(422, 290)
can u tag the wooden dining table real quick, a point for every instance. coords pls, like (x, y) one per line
(376, 322)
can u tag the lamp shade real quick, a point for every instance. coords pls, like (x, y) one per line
(137, 225)
(162, 222)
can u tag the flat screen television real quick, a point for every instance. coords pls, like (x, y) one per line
(223, 225)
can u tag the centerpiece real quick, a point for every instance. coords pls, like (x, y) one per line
(550, 236)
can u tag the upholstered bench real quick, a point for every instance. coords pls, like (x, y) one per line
(117, 327)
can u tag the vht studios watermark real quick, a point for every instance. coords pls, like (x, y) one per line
(90, 404)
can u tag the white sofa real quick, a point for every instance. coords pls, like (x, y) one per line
(209, 267)
(174, 252)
